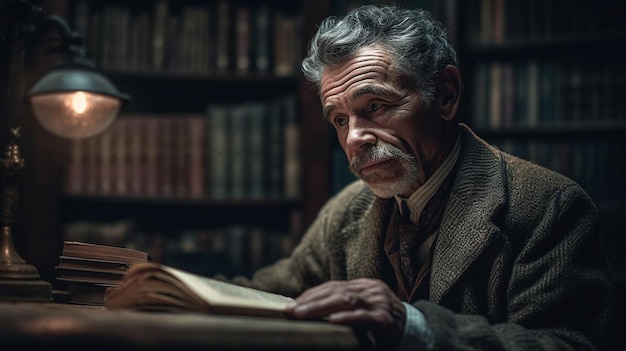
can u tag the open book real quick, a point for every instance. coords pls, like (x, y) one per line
(153, 286)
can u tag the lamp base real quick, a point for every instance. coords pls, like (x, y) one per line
(19, 281)
(25, 291)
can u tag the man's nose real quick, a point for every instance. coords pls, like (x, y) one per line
(359, 133)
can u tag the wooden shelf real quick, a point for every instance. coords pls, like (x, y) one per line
(163, 93)
(555, 47)
(172, 213)
(183, 201)
(578, 130)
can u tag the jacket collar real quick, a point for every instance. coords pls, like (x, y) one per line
(469, 223)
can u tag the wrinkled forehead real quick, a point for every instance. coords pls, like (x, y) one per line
(366, 64)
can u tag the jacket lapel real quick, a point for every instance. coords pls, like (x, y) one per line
(468, 226)
(369, 241)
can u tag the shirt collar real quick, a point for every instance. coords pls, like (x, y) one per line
(416, 202)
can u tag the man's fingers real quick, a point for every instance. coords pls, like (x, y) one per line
(332, 287)
(338, 296)
(328, 304)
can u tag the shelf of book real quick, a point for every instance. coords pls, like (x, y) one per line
(190, 37)
(232, 151)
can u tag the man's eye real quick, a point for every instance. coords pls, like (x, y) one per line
(375, 106)
(341, 121)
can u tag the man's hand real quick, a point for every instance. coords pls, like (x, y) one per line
(363, 303)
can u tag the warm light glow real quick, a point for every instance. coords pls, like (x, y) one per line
(78, 102)
(75, 115)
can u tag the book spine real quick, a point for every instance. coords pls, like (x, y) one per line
(151, 147)
(292, 149)
(196, 129)
(181, 156)
(495, 84)
(256, 154)
(159, 30)
(238, 133)
(166, 150)
(242, 39)
(135, 157)
(218, 151)
(286, 34)
(275, 152)
(521, 93)
(119, 145)
(262, 42)
(222, 36)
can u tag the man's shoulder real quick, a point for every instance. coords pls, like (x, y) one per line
(483, 163)
(517, 169)
(353, 201)
(521, 170)
(357, 190)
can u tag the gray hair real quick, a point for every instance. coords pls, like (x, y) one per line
(417, 43)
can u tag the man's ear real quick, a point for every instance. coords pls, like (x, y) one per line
(449, 92)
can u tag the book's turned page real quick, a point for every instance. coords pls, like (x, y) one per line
(153, 286)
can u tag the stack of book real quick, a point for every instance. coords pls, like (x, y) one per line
(86, 270)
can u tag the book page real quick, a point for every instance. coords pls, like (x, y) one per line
(217, 292)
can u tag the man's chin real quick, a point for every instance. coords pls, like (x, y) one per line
(386, 190)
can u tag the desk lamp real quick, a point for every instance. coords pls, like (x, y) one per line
(72, 101)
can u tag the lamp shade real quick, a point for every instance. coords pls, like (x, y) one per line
(73, 102)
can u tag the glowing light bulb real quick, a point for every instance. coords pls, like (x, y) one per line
(78, 102)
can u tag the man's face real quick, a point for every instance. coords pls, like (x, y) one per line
(388, 134)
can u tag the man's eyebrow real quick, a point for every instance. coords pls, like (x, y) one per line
(374, 90)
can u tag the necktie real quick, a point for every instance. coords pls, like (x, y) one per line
(408, 244)
(412, 236)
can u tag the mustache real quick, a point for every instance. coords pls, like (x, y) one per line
(378, 152)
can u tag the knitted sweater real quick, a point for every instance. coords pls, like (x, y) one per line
(517, 265)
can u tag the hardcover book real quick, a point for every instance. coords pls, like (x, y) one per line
(86, 269)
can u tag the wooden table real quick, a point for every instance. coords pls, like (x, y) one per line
(61, 327)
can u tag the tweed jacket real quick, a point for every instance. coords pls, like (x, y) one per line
(517, 264)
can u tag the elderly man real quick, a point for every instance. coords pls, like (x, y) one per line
(445, 242)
